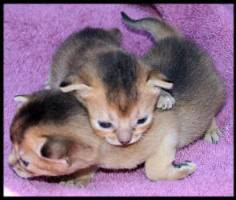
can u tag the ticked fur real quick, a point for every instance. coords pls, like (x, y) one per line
(49, 148)
(116, 88)
(199, 95)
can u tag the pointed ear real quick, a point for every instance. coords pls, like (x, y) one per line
(55, 149)
(159, 80)
(72, 83)
(63, 149)
(22, 98)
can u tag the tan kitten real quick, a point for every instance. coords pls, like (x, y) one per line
(51, 136)
(119, 91)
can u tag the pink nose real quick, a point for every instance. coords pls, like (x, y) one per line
(125, 142)
(124, 138)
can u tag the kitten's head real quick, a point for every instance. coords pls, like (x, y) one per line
(46, 140)
(120, 94)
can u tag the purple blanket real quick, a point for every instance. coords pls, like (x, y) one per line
(31, 35)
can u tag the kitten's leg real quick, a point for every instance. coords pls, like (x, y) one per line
(166, 101)
(80, 178)
(160, 166)
(213, 133)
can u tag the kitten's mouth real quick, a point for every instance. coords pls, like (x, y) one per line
(116, 142)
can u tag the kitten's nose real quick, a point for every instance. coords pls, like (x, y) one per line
(124, 138)
(124, 142)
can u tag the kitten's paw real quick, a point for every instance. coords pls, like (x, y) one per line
(165, 102)
(212, 136)
(81, 181)
(184, 169)
(76, 182)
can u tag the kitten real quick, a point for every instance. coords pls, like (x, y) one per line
(51, 136)
(182, 61)
(119, 91)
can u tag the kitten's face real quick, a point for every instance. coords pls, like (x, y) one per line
(27, 161)
(122, 119)
(44, 144)
(121, 126)
(42, 153)
(120, 93)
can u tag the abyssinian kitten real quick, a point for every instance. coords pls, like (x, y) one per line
(185, 64)
(51, 136)
(54, 142)
(119, 91)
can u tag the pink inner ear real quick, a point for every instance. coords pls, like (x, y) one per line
(162, 84)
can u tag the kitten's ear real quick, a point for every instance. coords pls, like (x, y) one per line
(72, 83)
(22, 98)
(158, 80)
(55, 149)
(64, 150)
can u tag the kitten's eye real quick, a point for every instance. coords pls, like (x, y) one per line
(25, 163)
(142, 120)
(105, 124)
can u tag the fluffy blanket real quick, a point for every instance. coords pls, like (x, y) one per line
(31, 34)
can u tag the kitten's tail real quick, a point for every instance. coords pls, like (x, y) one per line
(156, 27)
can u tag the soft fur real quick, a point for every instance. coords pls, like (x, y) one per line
(31, 34)
(112, 84)
(191, 72)
(54, 149)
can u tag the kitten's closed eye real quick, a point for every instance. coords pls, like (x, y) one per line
(24, 162)
(105, 124)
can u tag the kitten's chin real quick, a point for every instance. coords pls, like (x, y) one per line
(116, 142)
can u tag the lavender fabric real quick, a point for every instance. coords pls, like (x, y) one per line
(31, 35)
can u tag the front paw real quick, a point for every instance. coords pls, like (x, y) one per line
(165, 102)
(184, 169)
(83, 182)
(79, 181)
(212, 136)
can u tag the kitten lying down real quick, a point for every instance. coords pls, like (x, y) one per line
(52, 136)
(54, 142)
(118, 90)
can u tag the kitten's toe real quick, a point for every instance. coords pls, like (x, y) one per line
(165, 102)
(80, 181)
(212, 136)
(185, 169)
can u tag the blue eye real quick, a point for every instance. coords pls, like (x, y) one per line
(105, 124)
(142, 120)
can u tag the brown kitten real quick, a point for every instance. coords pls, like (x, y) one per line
(118, 90)
(181, 60)
(51, 136)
